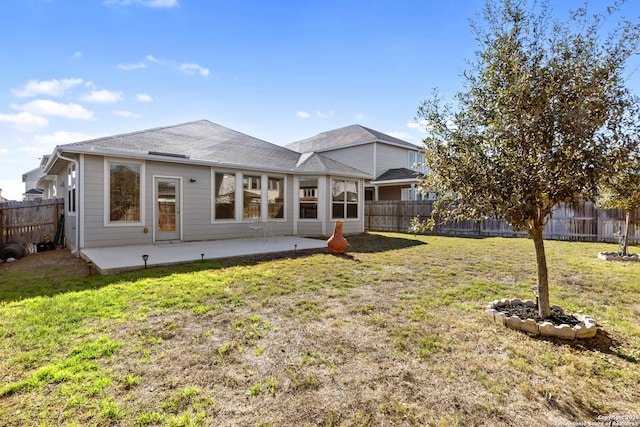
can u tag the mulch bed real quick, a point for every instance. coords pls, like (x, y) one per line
(526, 312)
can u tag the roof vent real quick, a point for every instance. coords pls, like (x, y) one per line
(159, 153)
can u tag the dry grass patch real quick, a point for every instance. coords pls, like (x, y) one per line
(393, 333)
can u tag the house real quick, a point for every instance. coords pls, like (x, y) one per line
(37, 184)
(30, 180)
(393, 166)
(199, 181)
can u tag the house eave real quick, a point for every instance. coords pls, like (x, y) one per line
(197, 162)
(395, 182)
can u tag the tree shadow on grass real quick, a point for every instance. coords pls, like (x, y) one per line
(370, 243)
(603, 342)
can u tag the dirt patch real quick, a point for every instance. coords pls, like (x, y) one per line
(40, 264)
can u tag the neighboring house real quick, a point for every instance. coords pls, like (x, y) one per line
(199, 181)
(33, 194)
(37, 184)
(30, 180)
(392, 165)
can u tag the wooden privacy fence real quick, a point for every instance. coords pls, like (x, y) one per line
(569, 222)
(28, 222)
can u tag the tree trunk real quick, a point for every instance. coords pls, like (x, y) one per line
(625, 235)
(544, 307)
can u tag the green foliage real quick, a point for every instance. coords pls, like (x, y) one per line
(543, 116)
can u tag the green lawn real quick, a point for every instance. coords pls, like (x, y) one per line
(392, 333)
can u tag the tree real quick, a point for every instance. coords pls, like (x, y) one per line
(543, 115)
(622, 191)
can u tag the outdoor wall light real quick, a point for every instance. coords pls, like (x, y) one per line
(192, 180)
(145, 257)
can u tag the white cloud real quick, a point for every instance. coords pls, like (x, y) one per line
(303, 115)
(360, 116)
(24, 120)
(46, 143)
(128, 67)
(52, 87)
(102, 96)
(44, 107)
(77, 54)
(155, 4)
(151, 58)
(189, 68)
(127, 114)
(143, 97)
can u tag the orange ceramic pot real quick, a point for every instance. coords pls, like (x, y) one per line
(337, 244)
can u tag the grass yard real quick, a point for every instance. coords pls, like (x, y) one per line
(393, 333)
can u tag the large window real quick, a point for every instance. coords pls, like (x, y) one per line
(252, 196)
(308, 197)
(124, 181)
(225, 195)
(275, 198)
(344, 199)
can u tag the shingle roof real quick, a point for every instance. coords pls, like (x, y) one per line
(345, 136)
(204, 141)
(398, 174)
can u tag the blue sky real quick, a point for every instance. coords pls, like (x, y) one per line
(277, 70)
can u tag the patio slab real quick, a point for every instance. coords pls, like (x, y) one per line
(123, 258)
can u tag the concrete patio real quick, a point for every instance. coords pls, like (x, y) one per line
(123, 258)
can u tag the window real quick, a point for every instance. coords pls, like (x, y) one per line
(71, 189)
(225, 195)
(308, 197)
(252, 197)
(124, 192)
(344, 199)
(275, 198)
(416, 162)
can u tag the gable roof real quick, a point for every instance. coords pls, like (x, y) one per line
(344, 137)
(202, 142)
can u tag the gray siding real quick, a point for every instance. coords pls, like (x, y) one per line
(360, 157)
(390, 157)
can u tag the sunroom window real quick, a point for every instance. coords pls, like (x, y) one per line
(275, 198)
(252, 197)
(308, 197)
(225, 195)
(344, 199)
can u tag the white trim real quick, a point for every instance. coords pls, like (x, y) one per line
(80, 190)
(107, 192)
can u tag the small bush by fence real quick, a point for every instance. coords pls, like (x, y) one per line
(28, 222)
(581, 222)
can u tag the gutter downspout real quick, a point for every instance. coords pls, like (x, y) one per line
(76, 251)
